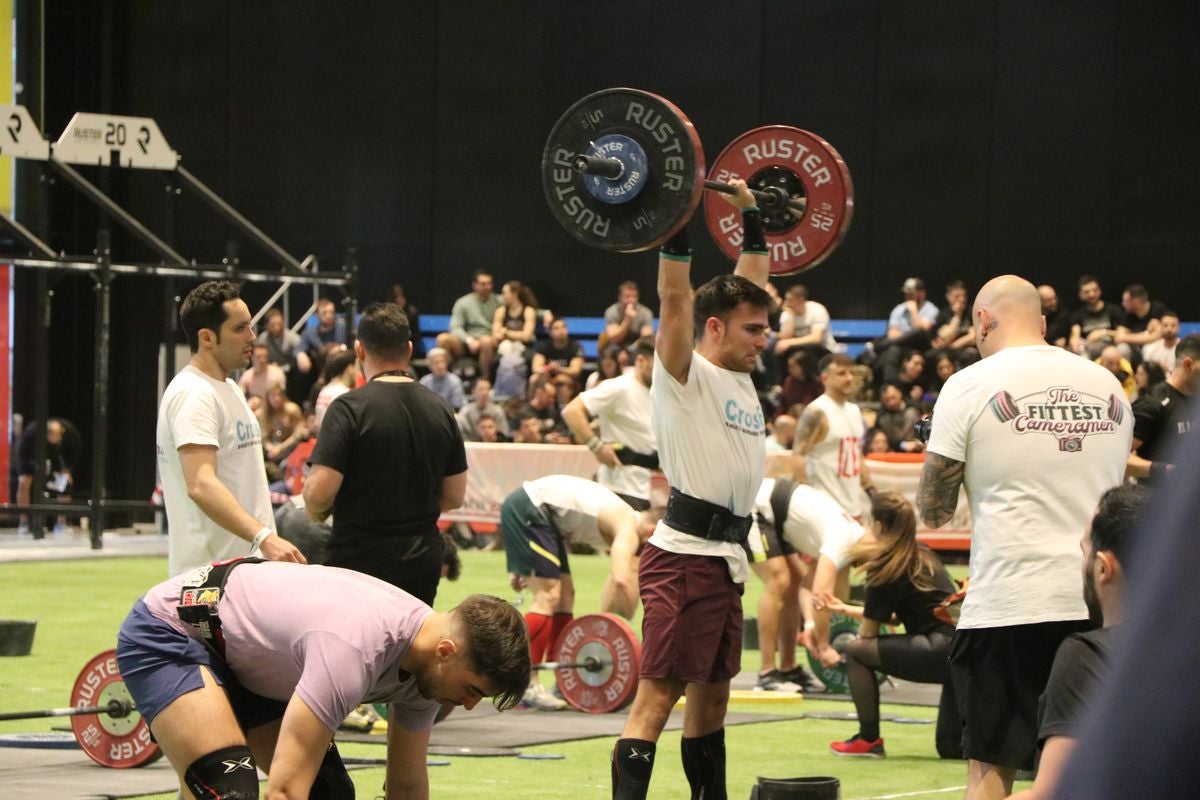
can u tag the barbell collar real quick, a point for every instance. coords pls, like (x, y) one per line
(610, 168)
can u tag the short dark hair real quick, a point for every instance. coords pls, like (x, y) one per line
(834, 360)
(644, 347)
(497, 645)
(955, 284)
(1137, 291)
(274, 311)
(479, 273)
(384, 331)
(1084, 280)
(204, 307)
(797, 289)
(1115, 519)
(337, 363)
(628, 285)
(1188, 347)
(1174, 314)
(721, 295)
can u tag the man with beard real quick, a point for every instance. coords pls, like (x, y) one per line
(1081, 659)
(249, 663)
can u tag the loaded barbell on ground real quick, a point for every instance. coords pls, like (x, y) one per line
(104, 719)
(624, 170)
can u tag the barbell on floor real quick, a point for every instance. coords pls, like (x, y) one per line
(624, 170)
(115, 709)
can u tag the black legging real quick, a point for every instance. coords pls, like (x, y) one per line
(914, 657)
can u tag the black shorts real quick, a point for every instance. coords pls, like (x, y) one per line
(774, 545)
(412, 562)
(998, 675)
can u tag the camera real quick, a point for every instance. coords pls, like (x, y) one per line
(923, 427)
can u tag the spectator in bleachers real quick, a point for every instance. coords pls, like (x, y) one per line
(1057, 325)
(528, 430)
(441, 381)
(911, 326)
(471, 324)
(783, 434)
(480, 407)
(566, 388)
(400, 298)
(627, 320)
(330, 329)
(487, 431)
(896, 417)
(543, 405)
(1142, 323)
(261, 375)
(340, 374)
(911, 378)
(876, 441)
(1162, 352)
(1111, 359)
(282, 424)
(1147, 376)
(943, 369)
(281, 343)
(1094, 324)
(558, 355)
(954, 331)
(608, 366)
(803, 323)
(513, 327)
(799, 386)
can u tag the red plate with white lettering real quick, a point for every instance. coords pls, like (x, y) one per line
(613, 655)
(120, 742)
(805, 166)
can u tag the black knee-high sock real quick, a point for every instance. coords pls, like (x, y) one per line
(704, 764)
(632, 762)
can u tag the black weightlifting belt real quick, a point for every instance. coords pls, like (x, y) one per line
(632, 458)
(200, 599)
(704, 519)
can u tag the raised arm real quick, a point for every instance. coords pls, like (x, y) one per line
(676, 327)
(754, 264)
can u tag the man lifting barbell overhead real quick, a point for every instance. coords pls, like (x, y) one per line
(537, 522)
(246, 664)
(709, 427)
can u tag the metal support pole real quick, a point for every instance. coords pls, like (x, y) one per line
(350, 273)
(41, 401)
(103, 278)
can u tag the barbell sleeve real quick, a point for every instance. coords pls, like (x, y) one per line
(610, 168)
(589, 664)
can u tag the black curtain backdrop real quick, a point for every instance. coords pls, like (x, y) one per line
(1050, 139)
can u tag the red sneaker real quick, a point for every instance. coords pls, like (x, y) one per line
(858, 747)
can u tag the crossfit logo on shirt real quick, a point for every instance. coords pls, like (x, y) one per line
(739, 419)
(248, 433)
(1062, 412)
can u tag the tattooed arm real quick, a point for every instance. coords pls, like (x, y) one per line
(811, 429)
(937, 494)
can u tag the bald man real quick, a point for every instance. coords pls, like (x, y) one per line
(1036, 435)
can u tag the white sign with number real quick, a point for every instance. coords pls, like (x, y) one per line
(113, 141)
(21, 137)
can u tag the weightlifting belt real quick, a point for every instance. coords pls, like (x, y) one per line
(781, 498)
(704, 519)
(632, 458)
(200, 599)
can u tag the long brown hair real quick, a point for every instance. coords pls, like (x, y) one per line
(896, 554)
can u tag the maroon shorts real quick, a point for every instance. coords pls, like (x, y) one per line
(692, 617)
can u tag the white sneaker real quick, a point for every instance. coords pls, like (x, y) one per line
(23, 529)
(539, 698)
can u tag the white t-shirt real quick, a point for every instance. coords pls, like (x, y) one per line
(289, 628)
(197, 409)
(1159, 353)
(574, 505)
(1043, 434)
(816, 525)
(622, 405)
(814, 314)
(711, 446)
(329, 392)
(834, 465)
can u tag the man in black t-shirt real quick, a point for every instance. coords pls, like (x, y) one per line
(1082, 658)
(1094, 325)
(390, 459)
(1141, 324)
(1162, 416)
(560, 354)
(54, 478)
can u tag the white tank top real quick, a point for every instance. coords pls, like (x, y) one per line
(575, 505)
(835, 463)
(711, 444)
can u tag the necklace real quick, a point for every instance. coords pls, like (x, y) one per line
(392, 373)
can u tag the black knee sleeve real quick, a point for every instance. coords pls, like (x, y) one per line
(332, 782)
(226, 774)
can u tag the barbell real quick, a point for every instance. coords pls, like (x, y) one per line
(104, 719)
(623, 170)
(598, 659)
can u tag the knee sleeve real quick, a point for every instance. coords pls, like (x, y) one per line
(332, 781)
(226, 774)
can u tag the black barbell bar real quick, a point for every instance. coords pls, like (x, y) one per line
(591, 664)
(771, 198)
(115, 708)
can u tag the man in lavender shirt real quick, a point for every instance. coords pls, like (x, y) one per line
(267, 680)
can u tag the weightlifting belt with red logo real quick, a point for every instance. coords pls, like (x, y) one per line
(200, 599)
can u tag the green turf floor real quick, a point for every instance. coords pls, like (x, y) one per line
(80, 604)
